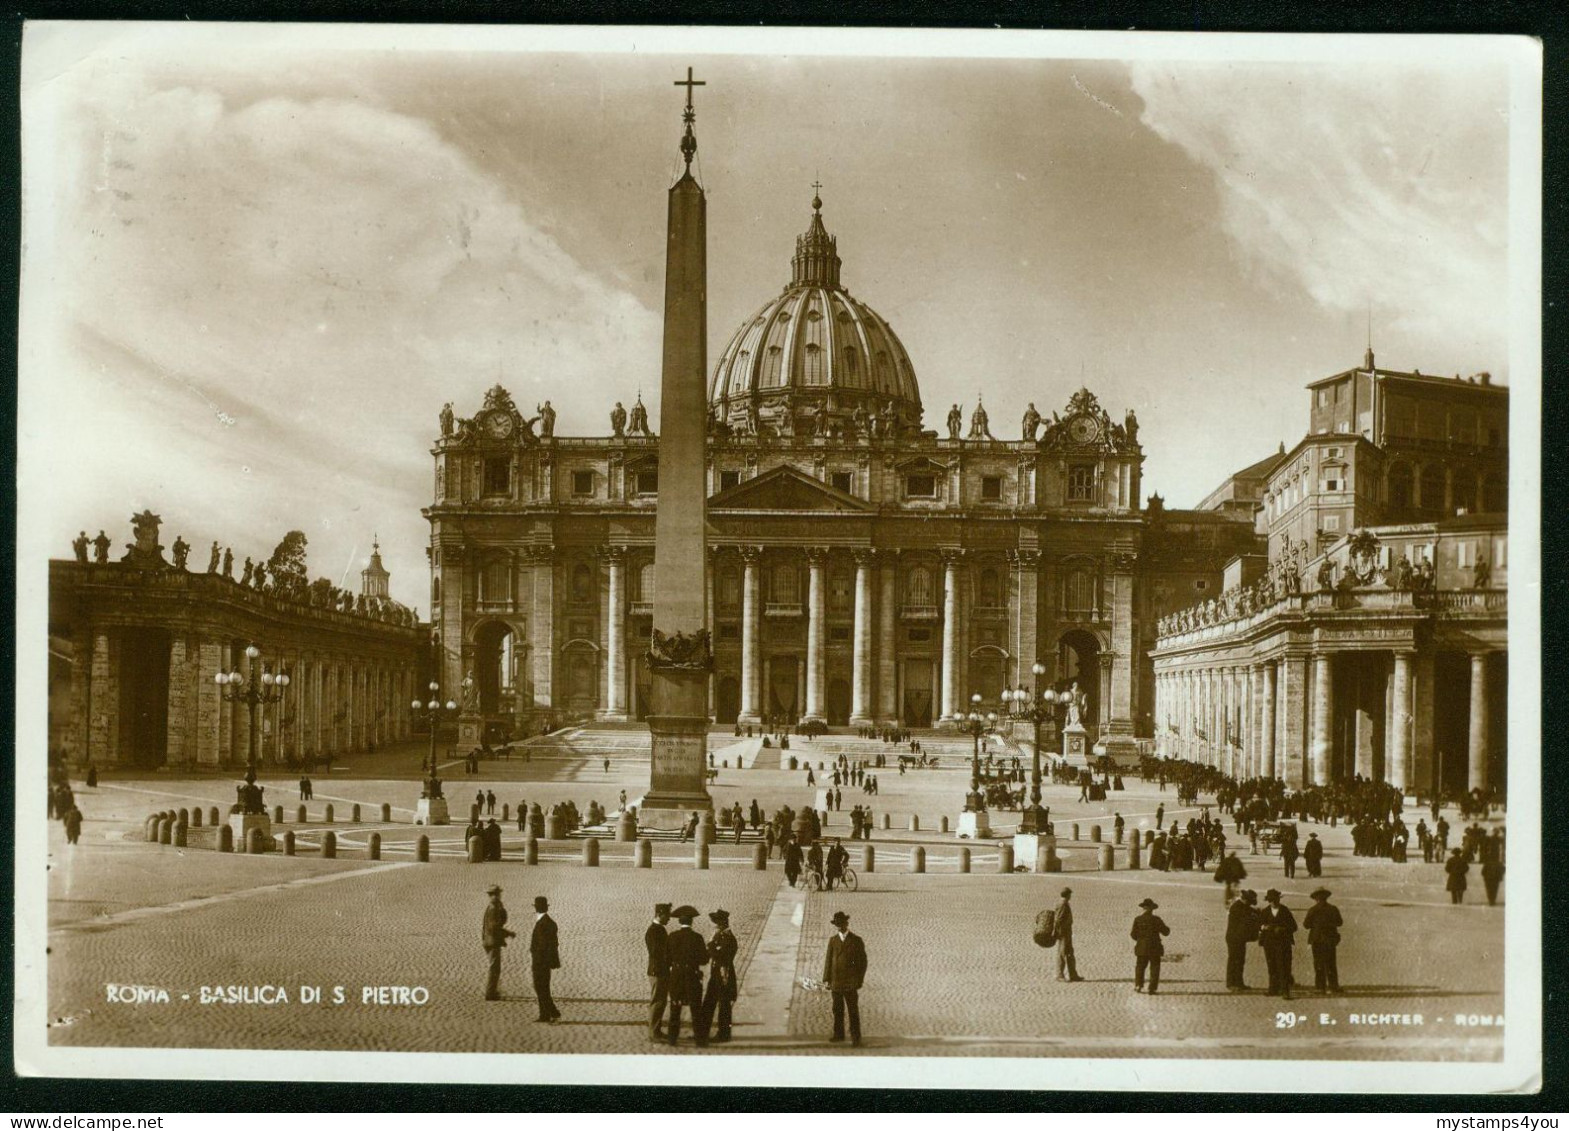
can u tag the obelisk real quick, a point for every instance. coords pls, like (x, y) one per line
(680, 655)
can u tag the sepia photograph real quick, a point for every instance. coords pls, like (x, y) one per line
(496, 505)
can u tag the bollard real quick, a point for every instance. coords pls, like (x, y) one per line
(277, 814)
(474, 813)
(165, 831)
(179, 836)
(1045, 856)
(253, 842)
(1075, 831)
(556, 827)
(626, 828)
(212, 815)
(386, 813)
(1108, 861)
(885, 824)
(183, 817)
(1004, 859)
(645, 853)
(1149, 837)
(760, 857)
(354, 814)
(506, 812)
(300, 816)
(915, 823)
(476, 849)
(288, 843)
(536, 820)
(327, 816)
(1134, 861)
(964, 861)
(150, 829)
(700, 857)
(591, 853)
(943, 824)
(196, 818)
(1117, 835)
(1095, 834)
(706, 833)
(868, 859)
(422, 849)
(225, 841)
(329, 844)
(374, 848)
(530, 850)
(918, 859)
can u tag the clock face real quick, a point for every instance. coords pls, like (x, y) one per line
(499, 425)
(1083, 429)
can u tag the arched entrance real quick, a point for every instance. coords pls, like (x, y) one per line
(988, 668)
(144, 697)
(916, 707)
(783, 687)
(495, 665)
(1078, 661)
(838, 702)
(727, 699)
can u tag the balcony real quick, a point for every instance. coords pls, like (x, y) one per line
(920, 612)
(992, 612)
(640, 608)
(782, 609)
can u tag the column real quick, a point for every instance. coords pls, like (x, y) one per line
(861, 689)
(1026, 617)
(1323, 706)
(1476, 775)
(1123, 694)
(1398, 743)
(1249, 712)
(887, 647)
(816, 630)
(951, 698)
(542, 637)
(1266, 726)
(751, 636)
(615, 635)
(208, 703)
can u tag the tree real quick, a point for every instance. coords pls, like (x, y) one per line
(288, 560)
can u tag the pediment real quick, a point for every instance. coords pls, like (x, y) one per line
(786, 489)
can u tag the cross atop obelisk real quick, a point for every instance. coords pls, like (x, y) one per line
(689, 116)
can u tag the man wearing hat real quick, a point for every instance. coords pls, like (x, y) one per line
(1147, 947)
(1242, 922)
(687, 953)
(1277, 930)
(1323, 927)
(844, 969)
(722, 985)
(545, 957)
(657, 940)
(1067, 964)
(1313, 855)
(494, 934)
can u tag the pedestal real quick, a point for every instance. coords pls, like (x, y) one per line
(243, 823)
(1123, 750)
(1027, 848)
(471, 728)
(974, 824)
(678, 758)
(1075, 744)
(432, 811)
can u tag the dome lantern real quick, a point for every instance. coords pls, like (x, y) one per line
(816, 262)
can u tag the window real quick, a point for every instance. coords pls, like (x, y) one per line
(786, 581)
(921, 485)
(435, 591)
(582, 482)
(815, 370)
(729, 588)
(840, 481)
(1331, 453)
(918, 635)
(1078, 591)
(991, 488)
(648, 481)
(729, 632)
(1323, 398)
(495, 581)
(839, 593)
(1400, 483)
(645, 583)
(1081, 483)
(729, 479)
(498, 476)
(990, 589)
(918, 586)
(849, 361)
(1200, 586)
(1332, 524)
(582, 582)
(839, 633)
(1500, 552)
(1329, 484)
(1465, 554)
(1430, 488)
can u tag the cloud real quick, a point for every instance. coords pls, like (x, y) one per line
(294, 286)
(1355, 183)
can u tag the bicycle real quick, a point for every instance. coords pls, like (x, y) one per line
(849, 881)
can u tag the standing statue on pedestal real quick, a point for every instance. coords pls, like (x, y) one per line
(1130, 424)
(250, 568)
(79, 544)
(1076, 702)
(101, 548)
(618, 420)
(212, 560)
(228, 563)
(260, 576)
(446, 419)
(182, 550)
(820, 419)
(1032, 423)
(547, 419)
(955, 422)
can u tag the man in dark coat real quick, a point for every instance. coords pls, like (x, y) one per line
(1323, 924)
(1276, 934)
(657, 941)
(1457, 868)
(723, 987)
(814, 858)
(494, 935)
(1492, 872)
(1147, 947)
(545, 957)
(1067, 961)
(844, 970)
(73, 830)
(1231, 873)
(1242, 923)
(492, 835)
(1313, 855)
(792, 859)
(687, 952)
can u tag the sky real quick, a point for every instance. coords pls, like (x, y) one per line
(257, 261)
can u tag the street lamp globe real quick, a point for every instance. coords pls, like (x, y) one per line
(267, 678)
(434, 686)
(416, 705)
(1039, 669)
(451, 706)
(251, 651)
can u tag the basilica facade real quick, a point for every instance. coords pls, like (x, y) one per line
(862, 568)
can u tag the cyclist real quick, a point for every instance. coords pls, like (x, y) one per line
(837, 859)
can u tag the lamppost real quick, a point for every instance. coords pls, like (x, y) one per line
(432, 809)
(1026, 704)
(973, 822)
(254, 692)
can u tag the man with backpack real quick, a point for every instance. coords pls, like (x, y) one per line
(1062, 922)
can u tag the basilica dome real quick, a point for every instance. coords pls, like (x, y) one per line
(813, 352)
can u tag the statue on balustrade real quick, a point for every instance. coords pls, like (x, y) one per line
(250, 568)
(1326, 575)
(79, 545)
(212, 561)
(638, 425)
(1032, 423)
(101, 548)
(955, 422)
(182, 551)
(446, 419)
(228, 563)
(1484, 574)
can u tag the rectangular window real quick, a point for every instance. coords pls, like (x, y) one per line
(582, 482)
(1081, 483)
(991, 488)
(1465, 554)
(1331, 453)
(840, 481)
(1323, 398)
(648, 481)
(921, 486)
(498, 476)
(1501, 552)
(1200, 586)
(729, 479)
(1332, 523)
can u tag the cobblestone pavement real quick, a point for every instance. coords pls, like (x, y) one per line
(953, 969)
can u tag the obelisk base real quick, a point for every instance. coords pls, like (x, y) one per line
(678, 759)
